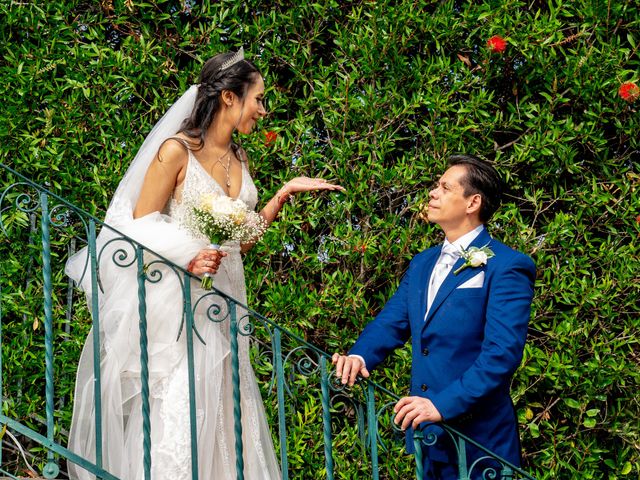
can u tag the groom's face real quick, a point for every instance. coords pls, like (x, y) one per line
(447, 204)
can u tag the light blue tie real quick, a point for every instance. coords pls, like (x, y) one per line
(448, 256)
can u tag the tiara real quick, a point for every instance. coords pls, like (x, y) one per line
(235, 58)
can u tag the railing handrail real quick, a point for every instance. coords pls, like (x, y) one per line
(323, 356)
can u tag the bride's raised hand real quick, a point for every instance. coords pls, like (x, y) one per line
(295, 185)
(306, 184)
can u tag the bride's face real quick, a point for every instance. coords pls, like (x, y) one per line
(252, 110)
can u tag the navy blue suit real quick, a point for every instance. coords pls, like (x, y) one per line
(467, 349)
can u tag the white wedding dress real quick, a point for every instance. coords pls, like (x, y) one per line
(121, 398)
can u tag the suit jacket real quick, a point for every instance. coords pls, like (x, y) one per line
(467, 349)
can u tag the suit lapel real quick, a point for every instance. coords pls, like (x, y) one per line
(422, 284)
(451, 282)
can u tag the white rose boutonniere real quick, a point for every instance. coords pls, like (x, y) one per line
(474, 257)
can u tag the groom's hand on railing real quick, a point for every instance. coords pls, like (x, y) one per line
(412, 411)
(349, 367)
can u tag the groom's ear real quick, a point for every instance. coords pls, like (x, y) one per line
(474, 202)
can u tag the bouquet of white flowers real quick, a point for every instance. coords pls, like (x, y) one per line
(222, 219)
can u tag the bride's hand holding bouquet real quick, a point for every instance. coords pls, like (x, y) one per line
(222, 219)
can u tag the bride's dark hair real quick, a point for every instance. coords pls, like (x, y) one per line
(236, 78)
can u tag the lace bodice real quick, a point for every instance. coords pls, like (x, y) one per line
(197, 183)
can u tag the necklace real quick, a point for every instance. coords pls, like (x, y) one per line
(227, 167)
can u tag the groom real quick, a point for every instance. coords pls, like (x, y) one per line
(467, 318)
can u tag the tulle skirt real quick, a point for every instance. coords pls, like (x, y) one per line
(120, 372)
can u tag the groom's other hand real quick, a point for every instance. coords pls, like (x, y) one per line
(348, 368)
(412, 411)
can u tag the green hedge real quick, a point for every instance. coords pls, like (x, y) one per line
(375, 95)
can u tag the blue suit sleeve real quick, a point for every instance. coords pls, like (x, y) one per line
(507, 316)
(390, 329)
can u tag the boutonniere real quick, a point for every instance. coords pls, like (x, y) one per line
(474, 257)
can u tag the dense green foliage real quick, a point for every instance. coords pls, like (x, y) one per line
(374, 95)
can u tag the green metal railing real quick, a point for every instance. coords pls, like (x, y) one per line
(353, 424)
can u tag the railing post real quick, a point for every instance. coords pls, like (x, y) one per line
(50, 470)
(463, 473)
(192, 380)
(95, 326)
(417, 445)
(144, 364)
(235, 379)
(282, 426)
(373, 430)
(326, 417)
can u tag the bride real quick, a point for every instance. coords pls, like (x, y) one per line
(189, 153)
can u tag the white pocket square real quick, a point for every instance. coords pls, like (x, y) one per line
(474, 282)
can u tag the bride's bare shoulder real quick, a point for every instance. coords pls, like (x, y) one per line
(174, 150)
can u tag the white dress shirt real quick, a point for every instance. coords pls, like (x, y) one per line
(445, 262)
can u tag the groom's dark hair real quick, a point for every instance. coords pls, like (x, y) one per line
(482, 179)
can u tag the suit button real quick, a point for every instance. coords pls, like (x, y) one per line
(425, 351)
(424, 387)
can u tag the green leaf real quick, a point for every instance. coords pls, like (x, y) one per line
(534, 429)
(572, 403)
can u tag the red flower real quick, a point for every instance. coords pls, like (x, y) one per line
(629, 91)
(270, 137)
(360, 248)
(497, 44)
(638, 219)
